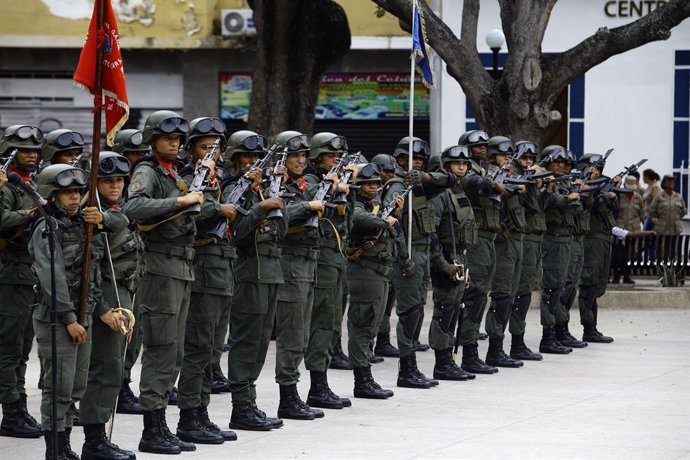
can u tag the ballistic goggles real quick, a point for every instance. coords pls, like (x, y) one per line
(136, 139)
(210, 125)
(174, 125)
(478, 137)
(252, 143)
(420, 147)
(297, 143)
(71, 178)
(369, 171)
(112, 166)
(526, 149)
(456, 153)
(29, 132)
(505, 147)
(337, 143)
(68, 139)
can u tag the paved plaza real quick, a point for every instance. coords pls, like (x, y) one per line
(627, 400)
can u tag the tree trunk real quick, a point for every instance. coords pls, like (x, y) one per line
(520, 104)
(296, 43)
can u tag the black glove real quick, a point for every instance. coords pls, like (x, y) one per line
(415, 177)
(453, 271)
(407, 266)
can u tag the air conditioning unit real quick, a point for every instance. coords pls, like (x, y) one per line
(237, 22)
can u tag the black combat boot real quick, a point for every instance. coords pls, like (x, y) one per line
(274, 421)
(220, 382)
(202, 412)
(418, 373)
(366, 387)
(592, 334)
(289, 407)
(472, 363)
(446, 369)
(153, 438)
(27, 416)
(339, 360)
(183, 445)
(497, 357)
(419, 346)
(64, 438)
(566, 339)
(15, 424)
(320, 394)
(549, 344)
(384, 347)
(49, 436)
(172, 399)
(190, 429)
(519, 350)
(408, 374)
(127, 402)
(376, 359)
(244, 418)
(98, 447)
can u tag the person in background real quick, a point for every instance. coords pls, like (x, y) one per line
(667, 209)
(651, 179)
(629, 217)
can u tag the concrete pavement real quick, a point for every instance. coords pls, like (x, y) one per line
(626, 400)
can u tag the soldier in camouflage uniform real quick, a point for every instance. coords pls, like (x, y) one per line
(411, 272)
(533, 202)
(16, 282)
(383, 347)
(597, 250)
(371, 252)
(481, 257)
(62, 146)
(455, 232)
(559, 213)
(211, 297)
(130, 143)
(61, 185)
(106, 363)
(258, 276)
(581, 226)
(334, 229)
(296, 296)
(508, 247)
(157, 201)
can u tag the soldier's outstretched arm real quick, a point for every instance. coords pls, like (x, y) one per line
(365, 220)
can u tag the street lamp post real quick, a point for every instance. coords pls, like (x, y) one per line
(495, 39)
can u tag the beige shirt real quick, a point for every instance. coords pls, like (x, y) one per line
(630, 211)
(668, 210)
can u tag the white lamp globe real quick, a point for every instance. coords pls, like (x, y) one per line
(495, 38)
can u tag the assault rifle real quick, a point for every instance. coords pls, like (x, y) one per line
(200, 180)
(324, 186)
(36, 170)
(340, 197)
(236, 196)
(275, 184)
(388, 210)
(610, 184)
(8, 161)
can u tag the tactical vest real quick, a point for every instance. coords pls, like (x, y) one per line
(458, 213)
(126, 249)
(602, 219)
(15, 241)
(515, 214)
(423, 215)
(534, 212)
(71, 237)
(377, 245)
(178, 231)
(298, 234)
(560, 221)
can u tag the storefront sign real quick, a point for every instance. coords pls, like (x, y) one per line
(356, 96)
(630, 8)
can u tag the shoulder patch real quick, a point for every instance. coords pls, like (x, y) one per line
(135, 186)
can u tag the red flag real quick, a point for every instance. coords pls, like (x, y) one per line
(113, 71)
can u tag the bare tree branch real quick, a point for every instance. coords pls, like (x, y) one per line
(565, 67)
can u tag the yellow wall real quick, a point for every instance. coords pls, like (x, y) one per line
(174, 23)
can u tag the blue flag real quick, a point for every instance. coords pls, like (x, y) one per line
(420, 47)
